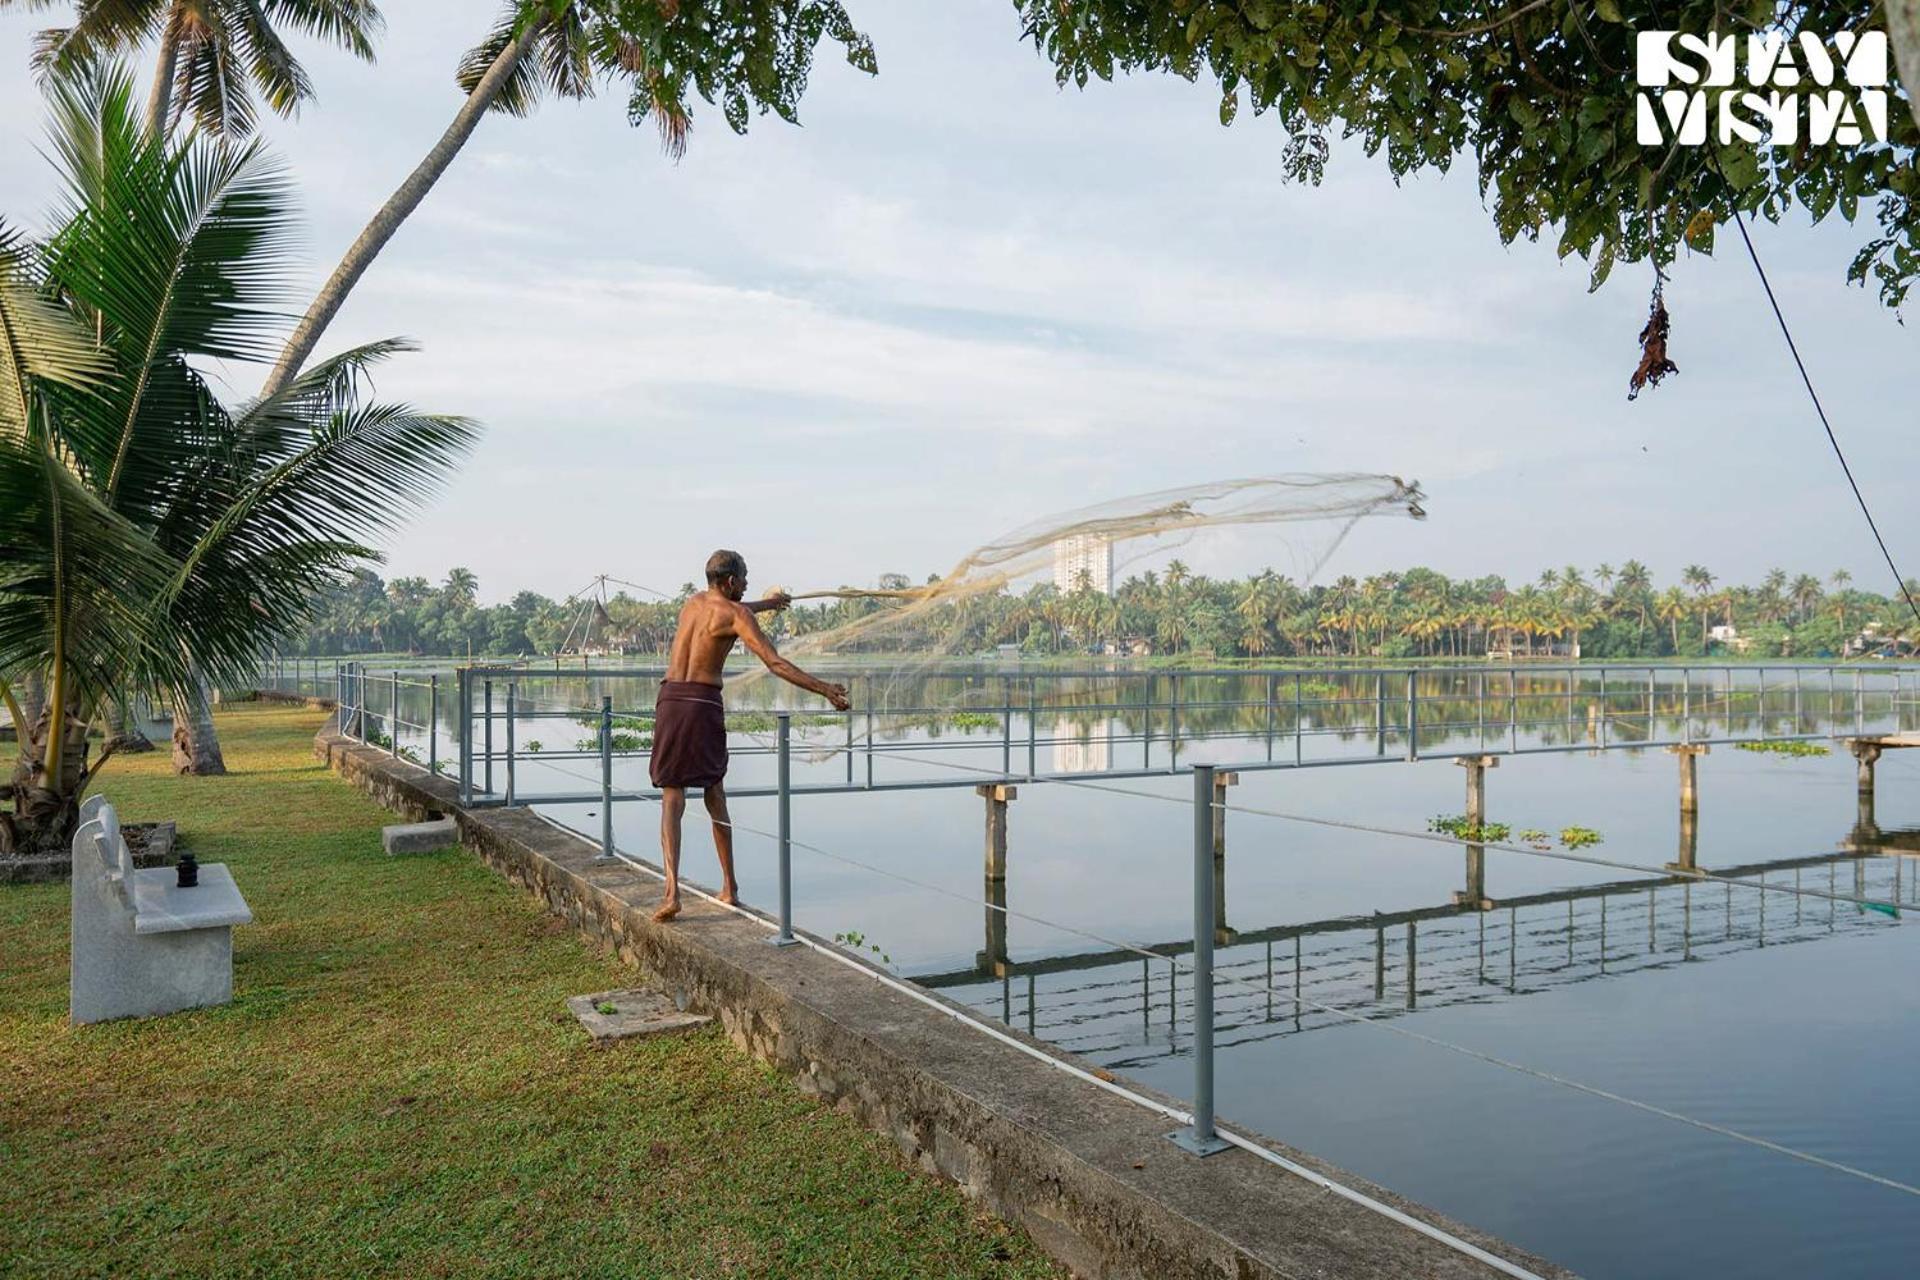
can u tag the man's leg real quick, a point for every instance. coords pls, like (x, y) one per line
(673, 803)
(716, 798)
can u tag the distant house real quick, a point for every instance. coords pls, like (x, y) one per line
(1510, 644)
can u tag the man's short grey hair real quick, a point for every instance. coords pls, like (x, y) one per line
(722, 565)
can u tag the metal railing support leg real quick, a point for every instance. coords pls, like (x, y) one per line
(463, 693)
(513, 689)
(433, 724)
(486, 738)
(1199, 1138)
(606, 779)
(393, 715)
(784, 775)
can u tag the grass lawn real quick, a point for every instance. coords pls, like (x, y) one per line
(398, 1089)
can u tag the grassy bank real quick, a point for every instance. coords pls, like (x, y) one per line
(398, 1089)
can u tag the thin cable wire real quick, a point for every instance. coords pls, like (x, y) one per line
(1813, 395)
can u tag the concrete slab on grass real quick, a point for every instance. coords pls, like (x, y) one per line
(419, 837)
(636, 1011)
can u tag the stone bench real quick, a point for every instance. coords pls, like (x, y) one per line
(142, 945)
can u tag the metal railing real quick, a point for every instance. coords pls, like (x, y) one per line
(1401, 714)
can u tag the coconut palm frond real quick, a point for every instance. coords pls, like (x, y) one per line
(100, 29)
(565, 56)
(210, 81)
(275, 72)
(39, 341)
(175, 252)
(521, 92)
(328, 388)
(292, 512)
(350, 24)
(76, 578)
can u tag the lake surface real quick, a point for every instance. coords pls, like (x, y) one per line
(1792, 1018)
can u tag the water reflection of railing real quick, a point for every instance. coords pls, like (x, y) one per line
(1389, 963)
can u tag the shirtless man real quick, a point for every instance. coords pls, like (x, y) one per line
(690, 720)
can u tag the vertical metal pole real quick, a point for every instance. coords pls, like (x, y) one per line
(463, 679)
(393, 716)
(433, 724)
(1006, 727)
(1603, 719)
(784, 777)
(1199, 1138)
(1296, 718)
(1272, 692)
(1859, 704)
(1173, 727)
(1513, 713)
(513, 689)
(606, 778)
(1380, 713)
(1033, 715)
(1413, 714)
(486, 738)
(869, 701)
(1686, 705)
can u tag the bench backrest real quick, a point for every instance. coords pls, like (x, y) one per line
(100, 850)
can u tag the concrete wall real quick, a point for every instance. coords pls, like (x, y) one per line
(1090, 1175)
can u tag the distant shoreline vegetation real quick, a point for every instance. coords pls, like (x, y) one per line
(1176, 615)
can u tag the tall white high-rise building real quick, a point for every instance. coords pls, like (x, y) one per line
(1083, 553)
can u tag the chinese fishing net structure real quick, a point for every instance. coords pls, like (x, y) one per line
(920, 625)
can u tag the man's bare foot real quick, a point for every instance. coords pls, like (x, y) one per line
(728, 896)
(667, 911)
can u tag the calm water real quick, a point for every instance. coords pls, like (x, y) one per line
(1787, 1017)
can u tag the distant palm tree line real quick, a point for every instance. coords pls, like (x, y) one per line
(1607, 612)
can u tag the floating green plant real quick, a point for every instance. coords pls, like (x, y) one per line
(1785, 747)
(1460, 827)
(1579, 837)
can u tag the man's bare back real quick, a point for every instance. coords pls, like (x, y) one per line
(710, 622)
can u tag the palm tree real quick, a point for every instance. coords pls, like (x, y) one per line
(147, 531)
(214, 55)
(462, 588)
(741, 55)
(1671, 607)
(1805, 595)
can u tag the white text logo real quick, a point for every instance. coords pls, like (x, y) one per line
(1825, 90)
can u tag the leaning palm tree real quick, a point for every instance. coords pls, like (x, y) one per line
(148, 532)
(742, 54)
(213, 55)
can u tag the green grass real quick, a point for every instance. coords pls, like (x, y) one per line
(397, 1088)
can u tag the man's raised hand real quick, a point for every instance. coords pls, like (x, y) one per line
(837, 695)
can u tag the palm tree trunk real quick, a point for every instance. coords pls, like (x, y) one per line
(123, 731)
(196, 748)
(162, 95)
(396, 211)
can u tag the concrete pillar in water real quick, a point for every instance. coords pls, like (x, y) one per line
(1222, 933)
(1690, 753)
(994, 959)
(1474, 896)
(1689, 843)
(1865, 754)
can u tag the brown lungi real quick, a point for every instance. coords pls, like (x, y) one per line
(689, 735)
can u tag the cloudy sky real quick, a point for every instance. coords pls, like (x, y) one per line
(959, 298)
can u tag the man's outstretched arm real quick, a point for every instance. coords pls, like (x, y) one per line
(756, 640)
(776, 603)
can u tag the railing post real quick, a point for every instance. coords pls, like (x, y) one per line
(486, 738)
(1006, 727)
(513, 689)
(784, 777)
(433, 723)
(606, 779)
(463, 680)
(1199, 1138)
(393, 715)
(1413, 714)
(1380, 713)
(1686, 705)
(1033, 717)
(1298, 730)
